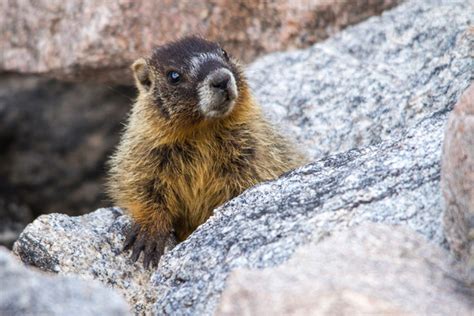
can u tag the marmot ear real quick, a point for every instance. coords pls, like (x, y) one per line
(141, 73)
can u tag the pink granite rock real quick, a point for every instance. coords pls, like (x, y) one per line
(458, 180)
(372, 269)
(88, 39)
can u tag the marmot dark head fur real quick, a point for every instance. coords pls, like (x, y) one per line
(195, 138)
(190, 81)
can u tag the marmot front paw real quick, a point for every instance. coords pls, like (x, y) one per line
(152, 245)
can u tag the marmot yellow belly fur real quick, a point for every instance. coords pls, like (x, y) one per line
(195, 138)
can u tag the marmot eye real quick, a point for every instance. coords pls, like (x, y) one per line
(226, 56)
(174, 77)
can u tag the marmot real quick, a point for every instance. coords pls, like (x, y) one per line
(195, 138)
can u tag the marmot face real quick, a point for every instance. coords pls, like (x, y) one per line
(189, 80)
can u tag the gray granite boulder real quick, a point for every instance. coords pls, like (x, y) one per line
(32, 292)
(394, 182)
(88, 246)
(379, 109)
(372, 81)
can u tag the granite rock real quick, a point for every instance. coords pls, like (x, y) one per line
(89, 246)
(90, 40)
(458, 180)
(370, 269)
(394, 182)
(32, 292)
(373, 80)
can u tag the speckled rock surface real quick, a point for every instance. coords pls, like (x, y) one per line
(372, 269)
(32, 292)
(458, 180)
(392, 182)
(400, 113)
(371, 81)
(88, 246)
(86, 39)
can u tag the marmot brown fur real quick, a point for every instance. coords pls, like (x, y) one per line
(195, 138)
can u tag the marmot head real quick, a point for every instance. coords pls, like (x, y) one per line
(190, 80)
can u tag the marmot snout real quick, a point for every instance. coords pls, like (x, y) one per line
(195, 138)
(217, 93)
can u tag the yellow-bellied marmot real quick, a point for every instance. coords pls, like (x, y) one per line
(195, 138)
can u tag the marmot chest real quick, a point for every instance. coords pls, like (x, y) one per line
(202, 174)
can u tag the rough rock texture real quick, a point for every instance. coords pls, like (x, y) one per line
(394, 180)
(99, 40)
(89, 246)
(458, 180)
(372, 81)
(54, 138)
(371, 269)
(30, 292)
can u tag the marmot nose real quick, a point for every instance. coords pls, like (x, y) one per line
(219, 87)
(220, 81)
